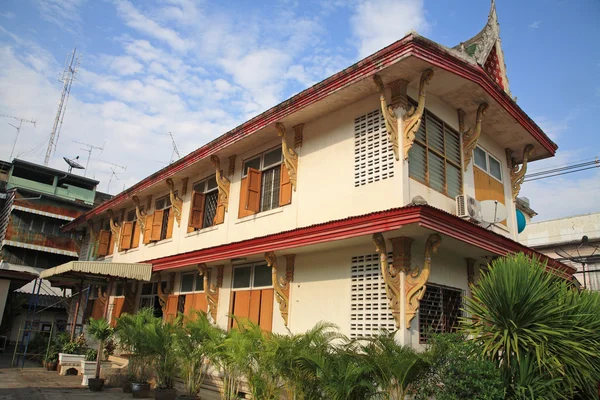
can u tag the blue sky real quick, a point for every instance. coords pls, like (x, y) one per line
(199, 68)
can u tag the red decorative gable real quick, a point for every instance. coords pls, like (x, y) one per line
(492, 67)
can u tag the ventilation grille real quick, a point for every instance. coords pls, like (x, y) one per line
(373, 154)
(370, 311)
(439, 311)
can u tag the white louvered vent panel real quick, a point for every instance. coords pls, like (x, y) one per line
(369, 305)
(373, 154)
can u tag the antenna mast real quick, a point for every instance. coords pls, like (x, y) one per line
(113, 172)
(18, 128)
(175, 151)
(67, 78)
(89, 149)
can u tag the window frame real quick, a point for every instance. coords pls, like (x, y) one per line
(489, 156)
(167, 210)
(205, 192)
(252, 274)
(417, 142)
(459, 314)
(262, 169)
(196, 275)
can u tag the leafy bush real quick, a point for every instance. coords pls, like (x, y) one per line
(457, 371)
(77, 346)
(91, 355)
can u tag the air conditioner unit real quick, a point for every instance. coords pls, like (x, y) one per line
(468, 208)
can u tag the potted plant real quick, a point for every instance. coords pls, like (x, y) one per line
(100, 330)
(71, 354)
(52, 359)
(160, 338)
(131, 332)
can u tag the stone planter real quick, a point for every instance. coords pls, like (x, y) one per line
(68, 361)
(88, 370)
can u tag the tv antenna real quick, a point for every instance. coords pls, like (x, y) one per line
(591, 255)
(112, 175)
(175, 151)
(68, 76)
(18, 128)
(89, 149)
(72, 163)
(114, 168)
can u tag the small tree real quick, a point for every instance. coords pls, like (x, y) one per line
(100, 330)
(160, 339)
(131, 331)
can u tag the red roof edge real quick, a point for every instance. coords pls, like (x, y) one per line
(381, 221)
(411, 44)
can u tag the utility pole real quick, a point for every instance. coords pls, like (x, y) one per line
(71, 65)
(18, 128)
(89, 149)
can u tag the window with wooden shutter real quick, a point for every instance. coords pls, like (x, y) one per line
(285, 188)
(197, 210)
(170, 223)
(434, 158)
(126, 235)
(157, 223)
(253, 190)
(440, 311)
(104, 242)
(135, 240)
(252, 295)
(148, 228)
(111, 245)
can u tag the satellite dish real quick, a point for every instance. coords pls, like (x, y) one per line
(73, 164)
(492, 211)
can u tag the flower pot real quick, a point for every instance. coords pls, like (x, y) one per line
(165, 394)
(53, 365)
(140, 390)
(95, 385)
(126, 385)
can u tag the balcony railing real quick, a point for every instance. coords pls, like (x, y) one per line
(42, 239)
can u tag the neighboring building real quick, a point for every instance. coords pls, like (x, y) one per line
(562, 239)
(35, 201)
(295, 216)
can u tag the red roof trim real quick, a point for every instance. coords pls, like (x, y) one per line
(409, 45)
(383, 221)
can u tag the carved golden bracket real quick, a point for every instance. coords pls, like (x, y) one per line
(115, 228)
(471, 271)
(164, 296)
(102, 296)
(470, 136)
(281, 286)
(417, 278)
(93, 240)
(289, 267)
(399, 93)
(401, 248)
(412, 118)
(222, 183)
(184, 186)
(141, 215)
(391, 121)
(176, 201)
(391, 277)
(517, 175)
(211, 290)
(290, 157)
(231, 165)
(148, 203)
(298, 129)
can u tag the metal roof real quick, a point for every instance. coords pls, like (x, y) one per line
(75, 271)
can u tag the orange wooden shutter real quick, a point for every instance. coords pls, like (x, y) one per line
(103, 243)
(266, 310)
(97, 309)
(242, 212)
(196, 211)
(157, 220)
(135, 240)
(219, 215)
(126, 235)
(111, 244)
(171, 309)
(148, 228)
(116, 310)
(240, 306)
(253, 197)
(170, 223)
(285, 187)
(254, 309)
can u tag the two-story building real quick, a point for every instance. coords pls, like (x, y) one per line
(340, 203)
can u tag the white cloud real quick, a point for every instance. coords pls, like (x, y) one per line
(62, 13)
(379, 23)
(535, 24)
(7, 14)
(125, 65)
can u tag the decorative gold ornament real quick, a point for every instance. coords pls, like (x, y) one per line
(471, 135)
(231, 165)
(93, 240)
(416, 279)
(399, 93)
(211, 290)
(281, 286)
(289, 267)
(298, 129)
(148, 203)
(412, 118)
(517, 175)
(115, 228)
(184, 186)
(141, 215)
(222, 183)
(391, 121)
(402, 253)
(290, 157)
(391, 277)
(176, 201)
(163, 296)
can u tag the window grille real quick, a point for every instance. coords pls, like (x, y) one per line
(270, 189)
(373, 154)
(369, 305)
(165, 224)
(434, 158)
(439, 311)
(210, 208)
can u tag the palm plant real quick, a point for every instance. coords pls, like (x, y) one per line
(395, 367)
(159, 336)
(130, 330)
(100, 330)
(537, 328)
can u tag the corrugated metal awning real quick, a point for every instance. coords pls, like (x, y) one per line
(44, 213)
(82, 269)
(39, 248)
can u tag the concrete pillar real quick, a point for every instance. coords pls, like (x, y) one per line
(4, 289)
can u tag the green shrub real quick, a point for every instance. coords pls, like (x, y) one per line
(91, 354)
